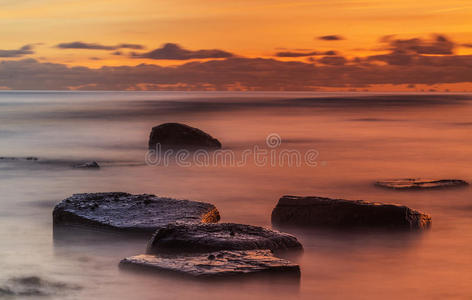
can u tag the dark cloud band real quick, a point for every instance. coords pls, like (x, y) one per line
(171, 51)
(25, 50)
(94, 46)
(304, 54)
(331, 38)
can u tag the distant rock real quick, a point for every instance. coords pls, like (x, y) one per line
(181, 136)
(126, 212)
(420, 184)
(317, 211)
(216, 264)
(215, 237)
(18, 158)
(88, 165)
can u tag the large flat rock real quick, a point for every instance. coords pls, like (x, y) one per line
(318, 211)
(215, 264)
(215, 237)
(126, 212)
(420, 183)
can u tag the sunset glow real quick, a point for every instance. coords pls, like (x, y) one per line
(361, 32)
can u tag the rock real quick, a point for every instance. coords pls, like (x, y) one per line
(419, 184)
(17, 158)
(137, 213)
(317, 211)
(29, 287)
(215, 237)
(180, 136)
(88, 165)
(222, 264)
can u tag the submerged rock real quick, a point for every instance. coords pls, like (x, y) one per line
(418, 183)
(216, 237)
(215, 264)
(175, 135)
(88, 165)
(34, 286)
(138, 213)
(317, 211)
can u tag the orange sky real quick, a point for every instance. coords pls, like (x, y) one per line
(257, 28)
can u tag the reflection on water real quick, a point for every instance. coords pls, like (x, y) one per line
(360, 140)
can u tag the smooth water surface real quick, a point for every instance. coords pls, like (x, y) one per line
(360, 138)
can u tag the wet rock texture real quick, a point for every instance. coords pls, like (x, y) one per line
(126, 212)
(181, 136)
(318, 211)
(216, 237)
(215, 264)
(419, 183)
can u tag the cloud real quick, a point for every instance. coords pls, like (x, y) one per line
(394, 58)
(303, 54)
(417, 51)
(175, 52)
(439, 44)
(330, 38)
(244, 73)
(25, 50)
(94, 46)
(333, 60)
(467, 45)
(398, 66)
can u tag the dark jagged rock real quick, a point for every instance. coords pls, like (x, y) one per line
(88, 165)
(419, 183)
(126, 212)
(217, 264)
(181, 136)
(215, 237)
(317, 211)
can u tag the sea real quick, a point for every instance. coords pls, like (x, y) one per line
(352, 141)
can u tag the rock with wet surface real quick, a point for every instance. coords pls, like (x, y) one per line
(420, 183)
(88, 165)
(215, 264)
(126, 212)
(181, 136)
(318, 211)
(215, 237)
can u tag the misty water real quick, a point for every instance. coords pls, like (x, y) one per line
(359, 138)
